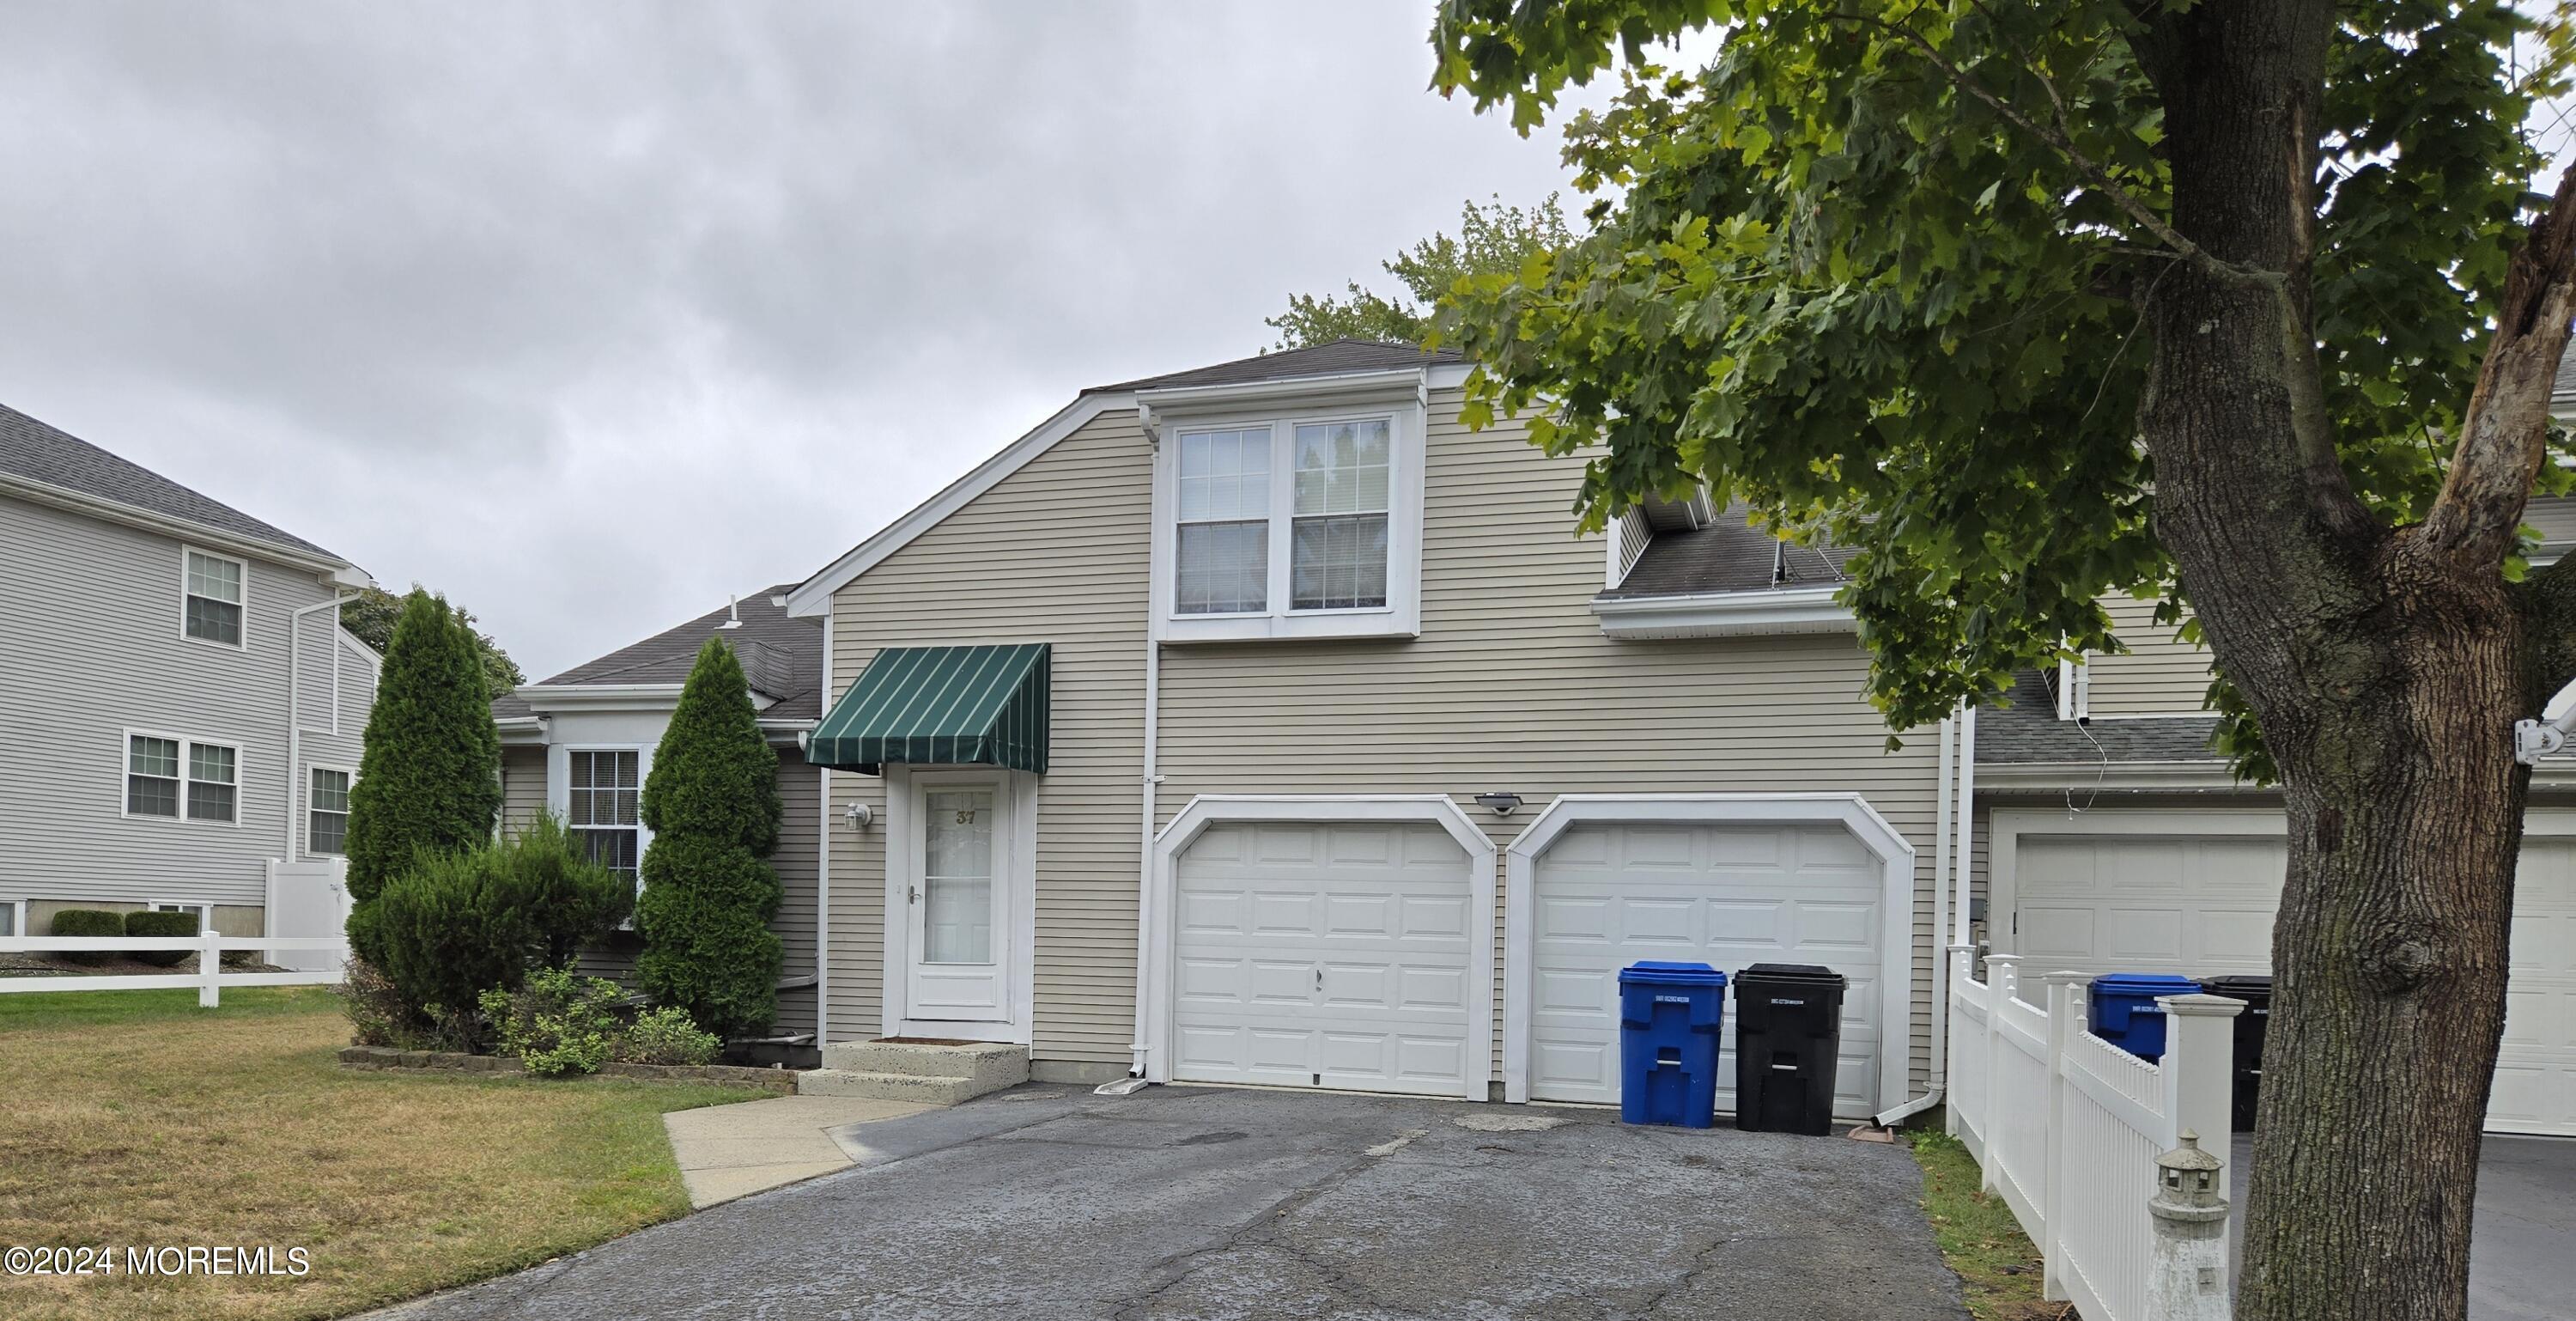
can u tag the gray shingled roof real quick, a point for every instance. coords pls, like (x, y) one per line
(781, 654)
(1729, 555)
(2029, 731)
(1337, 358)
(41, 453)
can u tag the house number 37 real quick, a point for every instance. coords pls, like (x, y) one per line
(966, 817)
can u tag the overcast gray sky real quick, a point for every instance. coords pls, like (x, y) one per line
(588, 315)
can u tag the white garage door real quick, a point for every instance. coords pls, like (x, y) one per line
(1728, 896)
(2203, 906)
(1325, 955)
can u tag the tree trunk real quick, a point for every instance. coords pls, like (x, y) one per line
(2386, 678)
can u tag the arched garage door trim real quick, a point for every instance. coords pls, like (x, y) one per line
(1852, 812)
(1208, 810)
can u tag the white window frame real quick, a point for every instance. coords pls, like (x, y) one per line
(307, 803)
(559, 795)
(205, 912)
(17, 910)
(1401, 616)
(125, 762)
(236, 561)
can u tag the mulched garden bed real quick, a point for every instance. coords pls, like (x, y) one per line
(445, 1061)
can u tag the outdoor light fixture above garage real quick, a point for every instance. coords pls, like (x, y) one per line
(1500, 804)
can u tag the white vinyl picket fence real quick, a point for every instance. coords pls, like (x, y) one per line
(209, 978)
(2067, 1126)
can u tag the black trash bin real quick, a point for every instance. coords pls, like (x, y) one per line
(1788, 1033)
(2251, 1027)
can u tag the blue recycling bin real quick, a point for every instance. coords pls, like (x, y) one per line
(1669, 1017)
(2125, 1012)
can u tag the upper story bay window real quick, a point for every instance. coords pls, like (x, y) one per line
(1290, 527)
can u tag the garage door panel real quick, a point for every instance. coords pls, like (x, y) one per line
(1353, 972)
(1751, 895)
(2204, 906)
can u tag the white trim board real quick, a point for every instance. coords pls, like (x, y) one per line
(1018, 803)
(1770, 611)
(1848, 810)
(1208, 810)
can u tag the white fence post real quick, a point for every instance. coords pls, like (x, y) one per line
(2001, 982)
(2065, 1023)
(1963, 964)
(2200, 1068)
(210, 965)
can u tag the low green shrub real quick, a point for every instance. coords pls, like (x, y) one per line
(666, 1036)
(458, 924)
(559, 1023)
(88, 922)
(160, 924)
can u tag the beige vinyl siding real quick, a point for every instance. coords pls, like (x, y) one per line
(1512, 686)
(523, 786)
(2160, 676)
(795, 862)
(1055, 553)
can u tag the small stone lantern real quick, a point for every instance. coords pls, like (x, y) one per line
(2187, 1277)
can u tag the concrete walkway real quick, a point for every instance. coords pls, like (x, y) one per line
(730, 1151)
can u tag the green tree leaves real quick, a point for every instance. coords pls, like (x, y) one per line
(1879, 270)
(1491, 238)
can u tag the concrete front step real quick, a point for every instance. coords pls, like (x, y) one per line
(913, 1087)
(997, 1064)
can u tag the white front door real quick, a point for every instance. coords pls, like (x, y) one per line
(957, 906)
(1728, 896)
(1325, 955)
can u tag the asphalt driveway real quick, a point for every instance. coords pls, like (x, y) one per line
(1206, 1203)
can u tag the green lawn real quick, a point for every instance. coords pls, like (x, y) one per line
(1997, 1264)
(134, 1118)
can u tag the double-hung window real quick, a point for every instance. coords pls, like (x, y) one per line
(213, 594)
(605, 788)
(175, 777)
(1296, 527)
(326, 811)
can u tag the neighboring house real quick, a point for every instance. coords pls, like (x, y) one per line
(1263, 724)
(2113, 837)
(579, 745)
(182, 707)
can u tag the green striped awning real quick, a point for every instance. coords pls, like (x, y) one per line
(941, 706)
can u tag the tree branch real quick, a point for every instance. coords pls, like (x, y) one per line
(2057, 137)
(2504, 437)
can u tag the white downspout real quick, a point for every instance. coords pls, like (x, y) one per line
(1942, 859)
(295, 717)
(1137, 1047)
(822, 855)
(1967, 819)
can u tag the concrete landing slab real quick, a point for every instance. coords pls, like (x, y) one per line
(730, 1151)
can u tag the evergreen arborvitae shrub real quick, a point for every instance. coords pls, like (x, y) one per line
(160, 924)
(712, 804)
(430, 779)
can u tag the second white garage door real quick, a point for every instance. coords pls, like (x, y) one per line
(1729, 896)
(1324, 955)
(2164, 900)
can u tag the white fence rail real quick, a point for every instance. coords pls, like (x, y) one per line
(2067, 1126)
(210, 976)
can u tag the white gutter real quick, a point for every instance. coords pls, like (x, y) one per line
(295, 787)
(1135, 1078)
(336, 572)
(1942, 861)
(822, 862)
(1725, 614)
